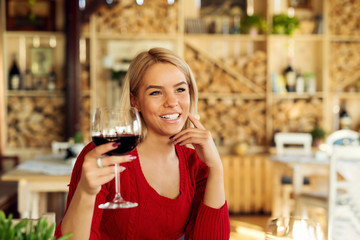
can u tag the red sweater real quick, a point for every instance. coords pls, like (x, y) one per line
(156, 217)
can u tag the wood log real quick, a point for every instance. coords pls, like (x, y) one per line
(36, 121)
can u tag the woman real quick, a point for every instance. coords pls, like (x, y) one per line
(180, 190)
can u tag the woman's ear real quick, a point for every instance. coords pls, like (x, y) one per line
(133, 102)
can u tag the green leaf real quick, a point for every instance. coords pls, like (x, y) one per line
(66, 236)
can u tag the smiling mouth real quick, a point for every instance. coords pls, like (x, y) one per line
(170, 116)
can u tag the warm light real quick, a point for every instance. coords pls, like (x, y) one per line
(36, 41)
(277, 6)
(291, 12)
(139, 2)
(52, 42)
(250, 7)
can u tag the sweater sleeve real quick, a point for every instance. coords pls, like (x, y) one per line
(206, 222)
(75, 177)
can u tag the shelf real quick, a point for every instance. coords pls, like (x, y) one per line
(298, 95)
(226, 37)
(338, 38)
(348, 95)
(137, 36)
(34, 93)
(32, 34)
(307, 37)
(247, 96)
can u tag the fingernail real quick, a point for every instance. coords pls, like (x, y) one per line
(116, 144)
(132, 157)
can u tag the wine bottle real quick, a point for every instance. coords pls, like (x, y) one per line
(344, 117)
(14, 75)
(300, 84)
(28, 79)
(51, 80)
(290, 77)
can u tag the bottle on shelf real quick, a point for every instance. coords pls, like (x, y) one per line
(300, 83)
(14, 75)
(51, 80)
(290, 77)
(344, 117)
(28, 78)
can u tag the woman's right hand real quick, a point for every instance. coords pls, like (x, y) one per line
(92, 176)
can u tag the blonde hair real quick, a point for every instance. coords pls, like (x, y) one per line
(137, 69)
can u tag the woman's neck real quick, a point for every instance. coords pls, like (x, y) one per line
(161, 147)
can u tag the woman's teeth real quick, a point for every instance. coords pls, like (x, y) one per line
(171, 116)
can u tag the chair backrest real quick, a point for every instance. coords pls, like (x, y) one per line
(293, 143)
(343, 202)
(341, 137)
(59, 147)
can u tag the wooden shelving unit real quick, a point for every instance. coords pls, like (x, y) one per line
(226, 81)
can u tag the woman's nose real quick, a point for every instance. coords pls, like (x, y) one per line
(171, 100)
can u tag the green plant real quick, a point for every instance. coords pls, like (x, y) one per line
(318, 132)
(25, 229)
(283, 24)
(255, 21)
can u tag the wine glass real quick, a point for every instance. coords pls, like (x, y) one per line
(121, 126)
(293, 228)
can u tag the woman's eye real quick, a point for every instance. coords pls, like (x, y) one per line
(155, 93)
(180, 90)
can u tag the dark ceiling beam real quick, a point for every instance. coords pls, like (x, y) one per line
(73, 87)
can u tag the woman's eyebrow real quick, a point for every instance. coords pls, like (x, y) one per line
(153, 86)
(180, 83)
(160, 87)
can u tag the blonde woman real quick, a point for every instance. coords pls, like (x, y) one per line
(180, 190)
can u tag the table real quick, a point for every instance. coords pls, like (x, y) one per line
(36, 178)
(301, 166)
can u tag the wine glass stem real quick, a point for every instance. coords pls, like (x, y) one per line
(117, 184)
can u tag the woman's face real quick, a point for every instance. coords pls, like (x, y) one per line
(163, 99)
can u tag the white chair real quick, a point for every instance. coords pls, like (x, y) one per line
(344, 197)
(59, 147)
(320, 199)
(293, 145)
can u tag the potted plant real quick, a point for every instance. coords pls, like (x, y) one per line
(283, 24)
(253, 24)
(318, 134)
(26, 229)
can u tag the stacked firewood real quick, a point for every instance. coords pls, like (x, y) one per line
(218, 76)
(344, 66)
(155, 16)
(234, 120)
(253, 67)
(35, 121)
(345, 17)
(297, 115)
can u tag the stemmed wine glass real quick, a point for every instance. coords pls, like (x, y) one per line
(116, 125)
(293, 228)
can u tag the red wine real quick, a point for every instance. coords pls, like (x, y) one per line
(127, 143)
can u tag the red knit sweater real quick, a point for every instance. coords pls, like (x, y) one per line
(156, 217)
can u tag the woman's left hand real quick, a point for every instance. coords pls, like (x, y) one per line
(202, 141)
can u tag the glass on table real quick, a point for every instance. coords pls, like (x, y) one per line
(293, 228)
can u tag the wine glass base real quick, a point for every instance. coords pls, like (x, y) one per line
(116, 205)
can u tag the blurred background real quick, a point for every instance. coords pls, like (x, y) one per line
(262, 67)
